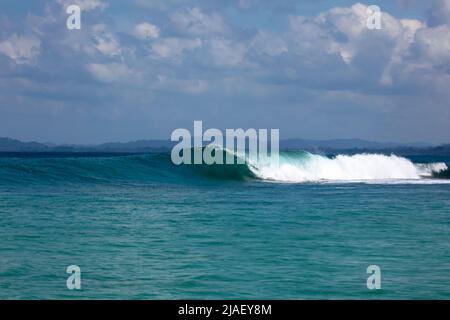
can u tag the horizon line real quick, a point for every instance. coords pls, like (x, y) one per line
(93, 144)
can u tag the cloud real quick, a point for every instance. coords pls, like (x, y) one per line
(193, 21)
(105, 42)
(439, 13)
(21, 49)
(174, 47)
(268, 43)
(146, 30)
(393, 58)
(341, 31)
(433, 45)
(325, 65)
(85, 5)
(227, 53)
(113, 72)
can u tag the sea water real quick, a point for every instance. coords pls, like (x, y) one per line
(140, 227)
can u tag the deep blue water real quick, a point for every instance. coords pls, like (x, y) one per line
(142, 228)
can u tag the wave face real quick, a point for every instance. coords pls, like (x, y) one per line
(294, 167)
(306, 167)
(50, 169)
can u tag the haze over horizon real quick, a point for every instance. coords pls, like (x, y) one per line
(140, 69)
(350, 142)
(56, 142)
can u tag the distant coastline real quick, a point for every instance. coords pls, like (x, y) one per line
(348, 146)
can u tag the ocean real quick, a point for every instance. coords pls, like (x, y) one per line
(140, 227)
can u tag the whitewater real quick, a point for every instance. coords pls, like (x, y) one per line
(300, 167)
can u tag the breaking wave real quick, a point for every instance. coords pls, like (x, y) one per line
(306, 167)
(293, 167)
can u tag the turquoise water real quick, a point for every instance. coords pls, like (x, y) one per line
(142, 228)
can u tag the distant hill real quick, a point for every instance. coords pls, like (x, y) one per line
(145, 146)
(135, 146)
(338, 144)
(12, 145)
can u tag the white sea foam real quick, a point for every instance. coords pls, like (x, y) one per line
(371, 168)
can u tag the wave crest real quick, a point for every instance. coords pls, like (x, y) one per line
(306, 167)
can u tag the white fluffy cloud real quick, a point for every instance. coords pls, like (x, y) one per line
(21, 49)
(391, 56)
(146, 30)
(341, 31)
(434, 44)
(105, 41)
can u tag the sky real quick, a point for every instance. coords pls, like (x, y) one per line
(140, 69)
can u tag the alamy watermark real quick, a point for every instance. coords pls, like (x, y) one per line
(374, 18)
(73, 22)
(236, 146)
(374, 280)
(74, 280)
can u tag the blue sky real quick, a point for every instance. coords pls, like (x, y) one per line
(140, 69)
